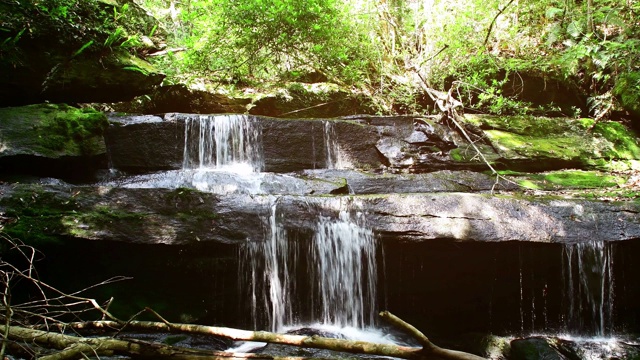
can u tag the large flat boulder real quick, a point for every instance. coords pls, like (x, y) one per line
(181, 216)
(393, 144)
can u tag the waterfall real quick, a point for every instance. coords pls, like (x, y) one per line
(588, 282)
(331, 280)
(229, 142)
(344, 255)
(334, 158)
(271, 264)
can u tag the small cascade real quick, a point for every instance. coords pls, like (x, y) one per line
(344, 254)
(334, 158)
(270, 265)
(589, 288)
(331, 280)
(228, 142)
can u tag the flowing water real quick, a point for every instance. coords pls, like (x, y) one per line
(223, 142)
(328, 277)
(334, 158)
(589, 288)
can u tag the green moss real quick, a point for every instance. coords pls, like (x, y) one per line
(583, 179)
(569, 179)
(196, 215)
(582, 142)
(38, 214)
(623, 144)
(70, 127)
(132, 63)
(102, 215)
(516, 146)
(527, 125)
(468, 154)
(53, 130)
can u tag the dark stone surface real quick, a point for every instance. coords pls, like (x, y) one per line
(181, 216)
(90, 79)
(534, 349)
(179, 98)
(162, 148)
(292, 145)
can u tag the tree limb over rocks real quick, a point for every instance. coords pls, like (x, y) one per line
(73, 346)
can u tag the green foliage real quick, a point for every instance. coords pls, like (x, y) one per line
(627, 89)
(245, 41)
(79, 27)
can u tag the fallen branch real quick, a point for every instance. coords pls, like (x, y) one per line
(167, 51)
(428, 350)
(316, 342)
(74, 347)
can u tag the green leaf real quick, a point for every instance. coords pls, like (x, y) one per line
(82, 48)
(552, 12)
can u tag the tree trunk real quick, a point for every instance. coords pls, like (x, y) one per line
(428, 351)
(316, 342)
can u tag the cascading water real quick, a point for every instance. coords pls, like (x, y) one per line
(589, 288)
(334, 157)
(331, 280)
(344, 254)
(229, 142)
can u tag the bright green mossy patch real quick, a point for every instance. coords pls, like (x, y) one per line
(578, 142)
(623, 144)
(469, 154)
(52, 131)
(528, 125)
(569, 179)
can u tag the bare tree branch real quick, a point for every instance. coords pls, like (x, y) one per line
(493, 22)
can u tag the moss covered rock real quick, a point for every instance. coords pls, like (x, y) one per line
(51, 131)
(69, 48)
(116, 77)
(541, 144)
(300, 100)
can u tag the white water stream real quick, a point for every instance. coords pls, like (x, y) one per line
(223, 142)
(333, 272)
(589, 287)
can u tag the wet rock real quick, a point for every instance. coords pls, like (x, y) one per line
(162, 148)
(359, 183)
(534, 349)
